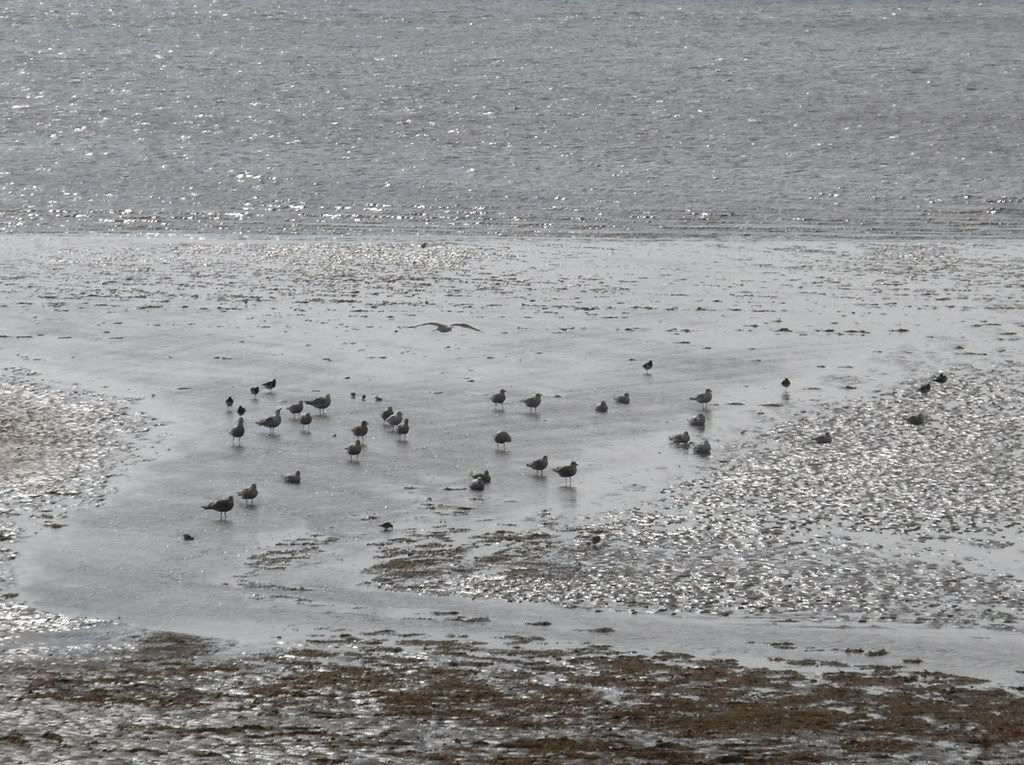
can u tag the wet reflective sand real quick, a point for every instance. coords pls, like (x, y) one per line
(867, 565)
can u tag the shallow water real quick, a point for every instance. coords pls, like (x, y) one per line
(571, 320)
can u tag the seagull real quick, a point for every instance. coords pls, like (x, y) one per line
(360, 430)
(478, 484)
(238, 431)
(703, 449)
(295, 409)
(305, 419)
(484, 476)
(295, 477)
(786, 383)
(538, 465)
(354, 449)
(532, 402)
(188, 537)
(926, 388)
(502, 438)
(229, 402)
(270, 384)
(623, 399)
(387, 413)
(699, 421)
(824, 438)
(602, 407)
(648, 366)
(271, 422)
(941, 377)
(680, 439)
(320, 402)
(394, 420)
(249, 493)
(443, 327)
(255, 391)
(567, 472)
(702, 398)
(403, 429)
(499, 399)
(241, 410)
(222, 506)
(387, 525)
(916, 419)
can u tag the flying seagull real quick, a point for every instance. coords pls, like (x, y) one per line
(444, 327)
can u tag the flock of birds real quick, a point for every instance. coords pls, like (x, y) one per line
(918, 419)
(399, 424)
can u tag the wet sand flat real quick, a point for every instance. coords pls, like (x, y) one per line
(808, 579)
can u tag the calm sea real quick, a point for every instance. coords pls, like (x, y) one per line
(551, 118)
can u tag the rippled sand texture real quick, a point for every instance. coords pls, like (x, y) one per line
(889, 521)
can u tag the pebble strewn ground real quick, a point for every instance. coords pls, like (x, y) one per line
(787, 526)
(59, 447)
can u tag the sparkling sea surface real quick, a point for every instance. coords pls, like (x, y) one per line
(569, 118)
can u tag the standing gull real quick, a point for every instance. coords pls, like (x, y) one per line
(241, 410)
(229, 402)
(703, 398)
(387, 413)
(295, 409)
(567, 472)
(502, 438)
(403, 429)
(360, 430)
(255, 391)
(443, 327)
(270, 384)
(532, 402)
(354, 450)
(394, 420)
(238, 431)
(681, 440)
(271, 422)
(648, 366)
(498, 399)
(320, 402)
(248, 494)
(305, 419)
(786, 383)
(538, 465)
(222, 506)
